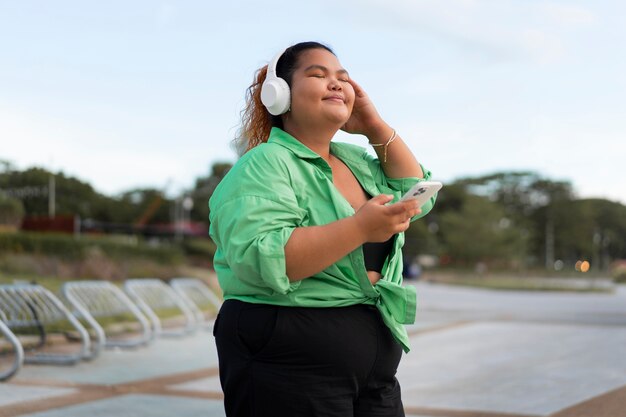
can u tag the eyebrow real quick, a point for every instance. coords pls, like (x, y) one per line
(323, 68)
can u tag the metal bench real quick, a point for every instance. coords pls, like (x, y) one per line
(203, 301)
(35, 316)
(155, 297)
(17, 351)
(109, 312)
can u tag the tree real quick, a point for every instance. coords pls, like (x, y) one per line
(11, 211)
(32, 187)
(480, 231)
(76, 197)
(143, 206)
(6, 166)
(520, 193)
(590, 229)
(530, 202)
(609, 230)
(204, 188)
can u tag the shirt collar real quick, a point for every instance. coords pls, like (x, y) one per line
(345, 153)
(280, 137)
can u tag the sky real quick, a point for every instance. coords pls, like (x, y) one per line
(132, 94)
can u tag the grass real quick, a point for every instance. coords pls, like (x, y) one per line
(518, 283)
(53, 284)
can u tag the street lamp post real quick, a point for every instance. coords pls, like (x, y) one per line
(51, 196)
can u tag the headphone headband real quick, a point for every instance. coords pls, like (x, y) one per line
(271, 67)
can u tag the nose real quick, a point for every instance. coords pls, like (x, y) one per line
(335, 85)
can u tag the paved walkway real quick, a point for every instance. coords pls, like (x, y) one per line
(475, 353)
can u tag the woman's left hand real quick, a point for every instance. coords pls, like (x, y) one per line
(365, 119)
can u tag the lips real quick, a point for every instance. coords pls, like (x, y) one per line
(335, 98)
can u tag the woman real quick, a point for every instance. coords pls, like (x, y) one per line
(309, 248)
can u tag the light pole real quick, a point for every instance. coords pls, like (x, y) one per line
(182, 215)
(187, 206)
(51, 196)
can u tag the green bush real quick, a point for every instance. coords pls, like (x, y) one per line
(72, 248)
(11, 211)
(199, 247)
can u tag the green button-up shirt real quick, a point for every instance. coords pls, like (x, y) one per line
(281, 185)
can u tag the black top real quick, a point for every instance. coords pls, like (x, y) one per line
(375, 254)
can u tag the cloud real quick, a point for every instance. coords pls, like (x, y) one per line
(165, 13)
(545, 39)
(542, 47)
(497, 30)
(458, 22)
(570, 15)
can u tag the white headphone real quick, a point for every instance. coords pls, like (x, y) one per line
(275, 94)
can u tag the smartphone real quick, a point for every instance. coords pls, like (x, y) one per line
(422, 191)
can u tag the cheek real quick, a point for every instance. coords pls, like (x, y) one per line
(350, 103)
(350, 94)
(302, 94)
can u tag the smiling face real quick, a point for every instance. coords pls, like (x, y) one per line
(320, 91)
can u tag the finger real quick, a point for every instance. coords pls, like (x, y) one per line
(411, 214)
(382, 199)
(358, 90)
(396, 209)
(415, 212)
(402, 227)
(411, 202)
(399, 218)
(407, 205)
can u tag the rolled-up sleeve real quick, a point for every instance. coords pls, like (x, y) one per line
(252, 232)
(401, 185)
(404, 184)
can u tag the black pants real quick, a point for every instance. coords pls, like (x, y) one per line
(306, 362)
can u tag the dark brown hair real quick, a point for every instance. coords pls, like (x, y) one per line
(256, 121)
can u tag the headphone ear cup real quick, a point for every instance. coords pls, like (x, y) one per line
(276, 96)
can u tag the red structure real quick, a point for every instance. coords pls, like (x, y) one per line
(61, 224)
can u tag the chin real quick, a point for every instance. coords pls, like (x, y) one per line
(339, 119)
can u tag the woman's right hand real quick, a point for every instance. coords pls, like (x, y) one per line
(379, 222)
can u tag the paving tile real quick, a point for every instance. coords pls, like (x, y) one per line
(524, 368)
(211, 384)
(14, 394)
(165, 356)
(139, 406)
